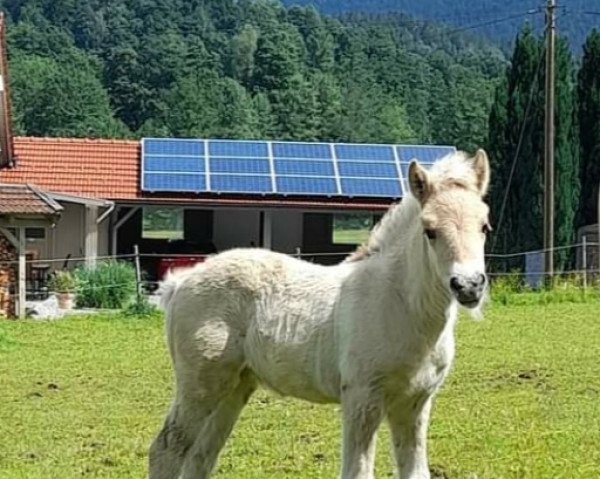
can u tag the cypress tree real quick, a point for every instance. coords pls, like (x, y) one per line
(567, 183)
(521, 229)
(588, 90)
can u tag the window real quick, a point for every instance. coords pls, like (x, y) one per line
(352, 228)
(162, 222)
(35, 233)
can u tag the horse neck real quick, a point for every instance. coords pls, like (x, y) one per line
(411, 270)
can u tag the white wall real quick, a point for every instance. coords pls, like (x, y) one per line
(67, 237)
(236, 228)
(287, 230)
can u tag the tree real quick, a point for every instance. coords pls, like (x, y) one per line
(522, 227)
(60, 100)
(520, 101)
(567, 161)
(588, 90)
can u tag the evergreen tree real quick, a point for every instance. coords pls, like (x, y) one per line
(567, 183)
(522, 227)
(588, 90)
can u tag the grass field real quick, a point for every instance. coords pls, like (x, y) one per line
(352, 237)
(83, 397)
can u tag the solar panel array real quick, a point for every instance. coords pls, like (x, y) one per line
(283, 168)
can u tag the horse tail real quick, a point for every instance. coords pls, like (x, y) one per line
(167, 289)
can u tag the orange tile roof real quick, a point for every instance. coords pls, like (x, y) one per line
(107, 169)
(26, 200)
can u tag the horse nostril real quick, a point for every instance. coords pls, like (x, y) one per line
(456, 284)
(481, 279)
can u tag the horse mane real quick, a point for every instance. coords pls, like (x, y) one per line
(453, 171)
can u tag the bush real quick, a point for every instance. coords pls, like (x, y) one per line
(63, 282)
(141, 308)
(107, 285)
(511, 289)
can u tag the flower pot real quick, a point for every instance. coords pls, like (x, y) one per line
(65, 300)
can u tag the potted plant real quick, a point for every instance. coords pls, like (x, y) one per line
(63, 284)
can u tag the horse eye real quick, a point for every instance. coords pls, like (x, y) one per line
(431, 234)
(486, 228)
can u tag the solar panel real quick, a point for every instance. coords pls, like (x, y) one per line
(302, 150)
(377, 153)
(239, 165)
(174, 147)
(427, 154)
(371, 187)
(240, 184)
(174, 182)
(256, 149)
(306, 186)
(297, 167)
(174, 163)
(285, 168)
(364, 169)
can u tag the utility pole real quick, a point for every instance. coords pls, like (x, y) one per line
(549, 142)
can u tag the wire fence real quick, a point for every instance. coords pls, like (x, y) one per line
(583, 268)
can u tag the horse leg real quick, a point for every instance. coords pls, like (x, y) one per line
(362, 414)
(409, 438)
(202, 456)
(179, 431)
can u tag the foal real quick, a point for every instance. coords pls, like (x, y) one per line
(375, 333)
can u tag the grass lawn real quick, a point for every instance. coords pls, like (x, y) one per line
(83, 397)
(352, 237)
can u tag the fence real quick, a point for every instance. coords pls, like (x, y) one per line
(522, 268)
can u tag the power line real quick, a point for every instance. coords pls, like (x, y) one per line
(497, 20)
(532, 91)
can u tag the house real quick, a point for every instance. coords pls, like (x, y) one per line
(116, 194)
(24, 211)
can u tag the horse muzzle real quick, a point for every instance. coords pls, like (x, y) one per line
(468, 290)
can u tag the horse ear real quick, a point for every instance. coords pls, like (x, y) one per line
(481, 166)
(419, 182)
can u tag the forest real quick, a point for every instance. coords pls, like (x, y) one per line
(257, 69)
(496, 19)
(243, 69)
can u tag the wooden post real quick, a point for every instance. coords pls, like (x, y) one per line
(549, 143)
(22, 279)
(267, 230)
(584, 260)
(138, 272)
(91, 235)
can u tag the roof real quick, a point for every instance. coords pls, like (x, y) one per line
(111, 170)
(107, 169)
(26, 200)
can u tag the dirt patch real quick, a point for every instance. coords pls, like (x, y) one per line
(536, 377)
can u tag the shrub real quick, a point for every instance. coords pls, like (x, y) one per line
(141, 308)
(108, 285)
(63, 282)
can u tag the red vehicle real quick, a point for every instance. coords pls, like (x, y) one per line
(167, 264)
(184, 254)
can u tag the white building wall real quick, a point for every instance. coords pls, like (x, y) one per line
(287, 230)
(68, 235)
(236, 228)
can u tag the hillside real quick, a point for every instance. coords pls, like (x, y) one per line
(492, 15)
(243, 69)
